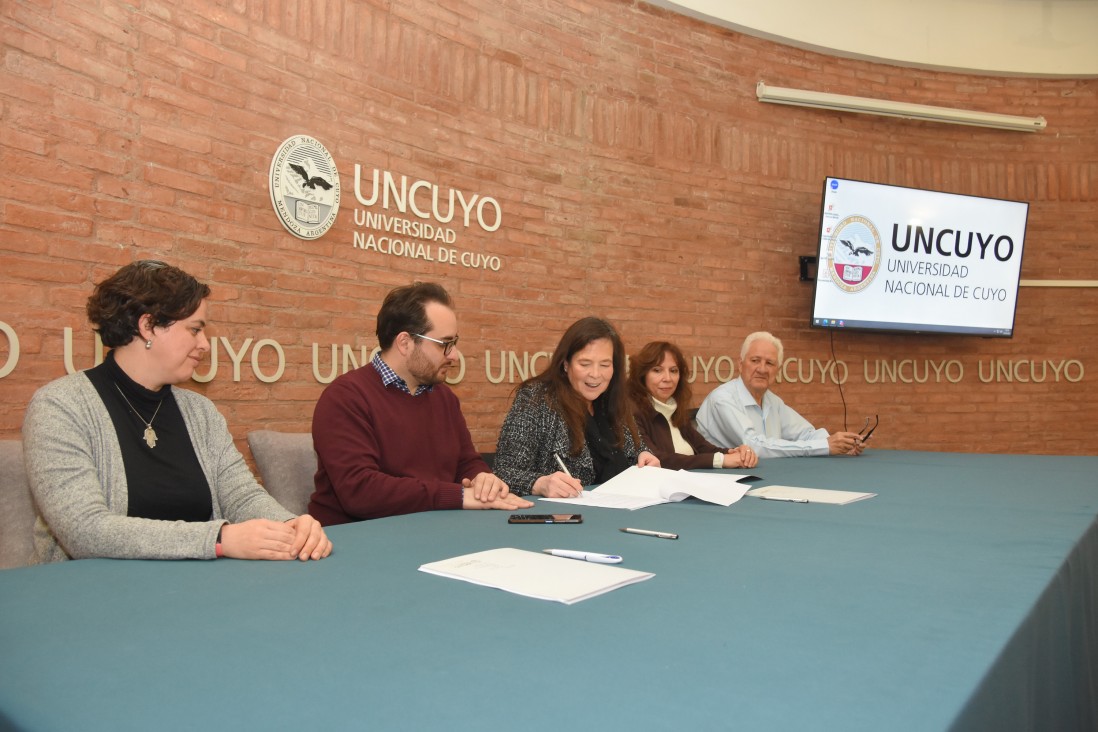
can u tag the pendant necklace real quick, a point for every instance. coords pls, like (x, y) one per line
(150, 433)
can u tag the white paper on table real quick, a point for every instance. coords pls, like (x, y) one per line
(636, 487)
(811, 495)
(674, 485)
(608, 500)
(717, 487)
(536, 575)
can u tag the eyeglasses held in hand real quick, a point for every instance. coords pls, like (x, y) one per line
(447, 345)
(862, 434)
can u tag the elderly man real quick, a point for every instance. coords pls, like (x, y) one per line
(745, 412)
(389, 436)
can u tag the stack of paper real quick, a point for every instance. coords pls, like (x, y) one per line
(808, 495)
(536, 575)
(640, 487)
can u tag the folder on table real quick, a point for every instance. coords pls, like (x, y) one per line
(537, 575)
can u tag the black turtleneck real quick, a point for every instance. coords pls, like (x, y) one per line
(164, 482)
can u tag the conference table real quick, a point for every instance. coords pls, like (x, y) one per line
(964, 596)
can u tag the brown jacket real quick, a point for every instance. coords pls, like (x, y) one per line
(656, 432)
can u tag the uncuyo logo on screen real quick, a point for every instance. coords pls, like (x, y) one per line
(854, 253)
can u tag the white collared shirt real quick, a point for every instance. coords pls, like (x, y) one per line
(730, 416)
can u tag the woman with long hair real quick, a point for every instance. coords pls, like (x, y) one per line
(571, 425)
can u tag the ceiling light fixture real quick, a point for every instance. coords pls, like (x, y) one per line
(904, 110)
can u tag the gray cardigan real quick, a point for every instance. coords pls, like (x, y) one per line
(74, 465)
(532, 431)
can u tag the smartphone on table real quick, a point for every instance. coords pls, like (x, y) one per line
(545, 518)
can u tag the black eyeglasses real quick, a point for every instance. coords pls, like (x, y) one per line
(447, 345)
(862, 434)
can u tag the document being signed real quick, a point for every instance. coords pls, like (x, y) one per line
(640, 487)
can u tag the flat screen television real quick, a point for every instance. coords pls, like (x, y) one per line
(915, 261)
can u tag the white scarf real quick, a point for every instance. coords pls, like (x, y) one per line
(682, 447)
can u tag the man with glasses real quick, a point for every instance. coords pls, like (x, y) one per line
(389, 436)
(745, 412)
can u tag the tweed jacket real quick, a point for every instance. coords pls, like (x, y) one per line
(532, 432)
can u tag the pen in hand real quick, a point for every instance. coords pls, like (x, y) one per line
(562, 465)
(564, 468)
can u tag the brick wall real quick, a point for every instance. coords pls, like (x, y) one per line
(638, 177)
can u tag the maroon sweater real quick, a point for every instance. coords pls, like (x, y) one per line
(383, 452)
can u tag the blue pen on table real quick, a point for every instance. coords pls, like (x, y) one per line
(585, 556)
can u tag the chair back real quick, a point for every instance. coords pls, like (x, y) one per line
(286, 464)
(17, 513)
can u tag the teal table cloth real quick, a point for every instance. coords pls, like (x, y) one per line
(964, 596)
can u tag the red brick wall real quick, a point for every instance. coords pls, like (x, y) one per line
(638, 177)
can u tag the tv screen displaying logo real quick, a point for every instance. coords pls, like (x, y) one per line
(902, 259)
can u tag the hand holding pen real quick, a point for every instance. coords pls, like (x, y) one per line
(558, 485)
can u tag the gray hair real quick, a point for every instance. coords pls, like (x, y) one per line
(762, 335)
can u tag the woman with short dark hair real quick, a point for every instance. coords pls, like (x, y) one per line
(661, 407)
(122, 464)
(571, 425)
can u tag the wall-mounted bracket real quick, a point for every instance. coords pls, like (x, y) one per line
(808, 269)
